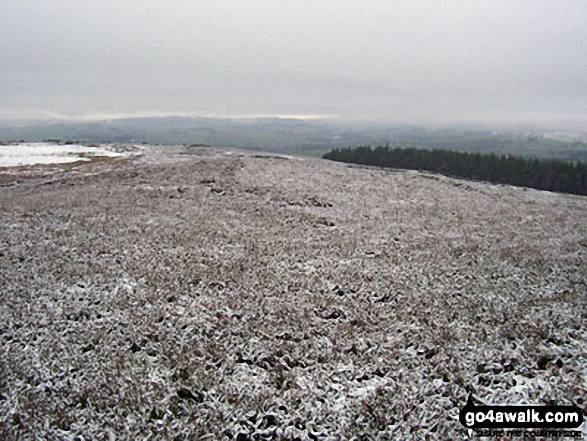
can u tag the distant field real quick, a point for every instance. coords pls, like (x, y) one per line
(27, 154)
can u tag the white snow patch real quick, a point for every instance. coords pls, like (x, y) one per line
(48, 153)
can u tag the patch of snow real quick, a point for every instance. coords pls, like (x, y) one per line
(48, 153)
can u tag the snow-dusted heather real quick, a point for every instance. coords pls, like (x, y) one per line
(48, 153)
(258, 297)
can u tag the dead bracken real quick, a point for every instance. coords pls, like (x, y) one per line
(243, 296)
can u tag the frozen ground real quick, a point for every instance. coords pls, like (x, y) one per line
(48, 153)
(200, 295)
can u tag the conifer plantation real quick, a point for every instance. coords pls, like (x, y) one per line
(542, 174)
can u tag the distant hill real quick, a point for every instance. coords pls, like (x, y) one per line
(306, 137)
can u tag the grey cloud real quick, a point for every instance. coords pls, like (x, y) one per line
(398, 60)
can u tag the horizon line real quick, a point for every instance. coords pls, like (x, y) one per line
(54, 116)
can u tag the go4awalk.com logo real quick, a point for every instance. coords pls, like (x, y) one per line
(560, 419)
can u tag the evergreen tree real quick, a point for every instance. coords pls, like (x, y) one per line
(552, 175)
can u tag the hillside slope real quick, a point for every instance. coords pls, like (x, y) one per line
(229, 294)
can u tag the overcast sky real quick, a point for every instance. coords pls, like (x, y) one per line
(394, 60)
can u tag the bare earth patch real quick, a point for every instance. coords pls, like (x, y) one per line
(238, 296)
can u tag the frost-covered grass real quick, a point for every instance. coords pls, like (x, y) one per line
(22, 154)
(282, 298)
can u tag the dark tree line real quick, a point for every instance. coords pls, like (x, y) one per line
(542, 174)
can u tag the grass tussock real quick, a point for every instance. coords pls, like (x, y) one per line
(232, 296)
